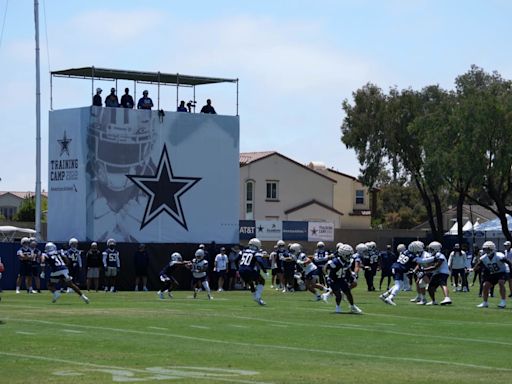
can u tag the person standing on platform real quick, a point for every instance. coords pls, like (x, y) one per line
(127, 99)
(181, 107)
(145, 102)
(96, 100)
(208, 108)
(111, 100)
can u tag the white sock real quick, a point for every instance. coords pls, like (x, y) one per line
(206, 286)
(396, 288)
(259, 291)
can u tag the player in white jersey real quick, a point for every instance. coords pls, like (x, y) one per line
(199, 268)
(311, 271)
(437, 264)
(494, 272)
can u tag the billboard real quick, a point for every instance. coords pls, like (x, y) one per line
(273, 230)
(138, 176)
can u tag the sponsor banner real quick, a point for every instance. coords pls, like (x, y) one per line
(269, 230)
(320, 231)
(247, 229)
(295, 230)
(66, 175)
(147, 178)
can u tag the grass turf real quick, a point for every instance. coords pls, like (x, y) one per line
(135, 337)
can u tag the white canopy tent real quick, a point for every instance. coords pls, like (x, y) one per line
(8, 233)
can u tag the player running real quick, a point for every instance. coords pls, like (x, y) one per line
(340, 274)
(311, 271)
(405, 262)
(494, 272)
(59, 272)
(166, 275)
(250, 265)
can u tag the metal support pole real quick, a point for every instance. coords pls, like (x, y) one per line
(51, 92)
(38, 125)
(177, 89)
(194, 98)
(134, 92)
(92, 83)
(158, 90)
(237, 97)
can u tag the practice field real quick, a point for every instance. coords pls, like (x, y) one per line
(135, 337)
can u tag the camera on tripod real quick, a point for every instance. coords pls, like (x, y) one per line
(191, 104)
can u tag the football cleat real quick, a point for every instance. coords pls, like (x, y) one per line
(415, 300)
(432, 303)
(446, 301)
(260, 302)
(210, 297)
(383, 297)
(160, 295)
(55, 296)
(338, 309)
(85, 299)
(195, 293)
(484, 304)
(422, 302)
(389, 300)
(502, 304)
(324, 296)
(355, 309)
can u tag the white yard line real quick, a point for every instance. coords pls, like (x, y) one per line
(158, 328)
(199, 326)
(71, 331)
(275, 347)
(26, 333)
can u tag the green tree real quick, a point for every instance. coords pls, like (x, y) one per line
(27, 210)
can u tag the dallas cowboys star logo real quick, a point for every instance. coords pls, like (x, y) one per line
(314, 231)
(64, 144)
(164, 191)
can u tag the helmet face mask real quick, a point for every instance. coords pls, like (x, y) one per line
(361, 249)
(320, 244)
(435, 247)
(281, 244)
(199, 255)
(345, 251)
(111, 243)
(176, 257)
(295, 248)
(488, 247)
(25, 241)
(73, 243)
(50, 247)
(416, 247)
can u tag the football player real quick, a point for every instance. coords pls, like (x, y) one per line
(311, 271)
(111, 264)
(2, 269)
(437, 264)
(406, 261)
(494, 272)
(357, 257)
(36, 264)
(250, 265)
(59, 272)
(74, 257)
(340, 274)
(320, 258)
(370, 263)
(26, 258)
(199, 268)
(288, 263)
(275, 265)
(166, 275)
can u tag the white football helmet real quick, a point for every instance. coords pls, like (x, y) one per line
(73, 243)
(345, 251)
(50, 247)
(25, 241)
(320, 244)
(176, 257)
(338, 245)
(255, 243)
(416, 247)
(199, 254)
(435, 247)
(361, 248)
(281, 243)
(295, 248)
(111, 243)
(400, 248)
(371, 245)
(488, 247)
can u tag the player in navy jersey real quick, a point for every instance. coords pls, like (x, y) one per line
(310, 270)
(26, 257)
(277, 266)
(199, 267)
(166, 275)
(494, 265)
(320, 258)
(36, 264)
(250, 265)
(59, 272)
(111, 264)
(74, 257)
(370, 262)
(405, 262)
(288, 263)
(339, 272)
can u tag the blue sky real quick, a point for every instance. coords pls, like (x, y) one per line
(296, 61)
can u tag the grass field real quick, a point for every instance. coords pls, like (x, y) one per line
(135, 337)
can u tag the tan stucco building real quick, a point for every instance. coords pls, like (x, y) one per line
(275, 187)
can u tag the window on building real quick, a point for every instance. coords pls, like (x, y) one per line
(8, 212)
(272, 190)
(249, 200)
(360, 196)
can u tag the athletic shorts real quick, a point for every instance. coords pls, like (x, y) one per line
(438, 280)
(313, 275)
(398, 274)
(221, 273)
(25, 269)
(197, 279)
(111, 272)
(55, 277)
(93, 273)
(340, 285)
(248, 275)
(36, 270)
(166, 278)
(494, 278)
